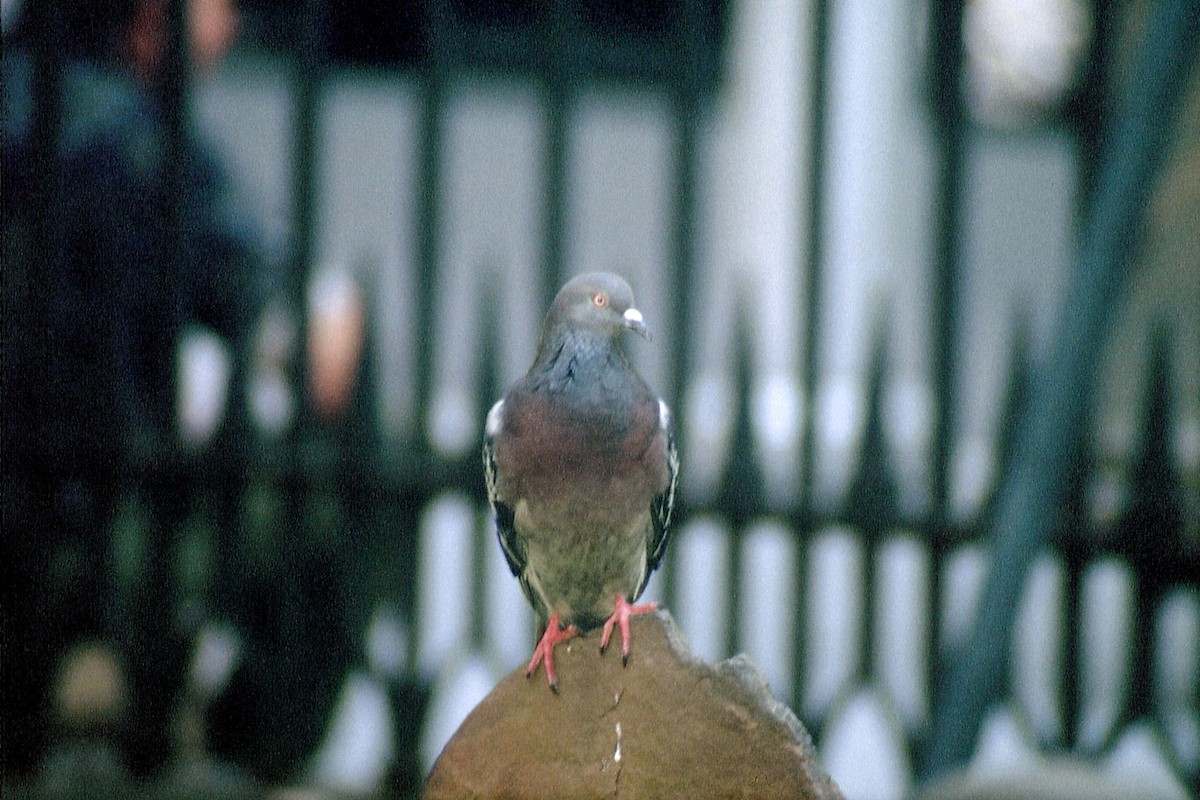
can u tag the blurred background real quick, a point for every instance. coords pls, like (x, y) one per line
(924, 284)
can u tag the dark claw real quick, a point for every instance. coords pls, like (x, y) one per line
(625, 659)
(554, 688)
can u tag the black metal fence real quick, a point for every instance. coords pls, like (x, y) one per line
(301, 536)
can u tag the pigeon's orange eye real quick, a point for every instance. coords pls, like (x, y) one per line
(600, 299)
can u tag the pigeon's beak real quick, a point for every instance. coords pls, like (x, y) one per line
(633, 322)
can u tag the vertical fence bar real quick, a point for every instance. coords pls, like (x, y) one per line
(562, 35)
(301, 465)
(175, 97)
(45, 244)
(1148, 539)
(306, 66)
(741, 497)
(307, 77)
(804, 521)
(814, 257)
(687, 100)
(946, 72)
(28, 282)
(945, 65)
(440, 31)
(872, 508)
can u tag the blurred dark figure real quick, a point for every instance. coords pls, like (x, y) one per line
(147, 240)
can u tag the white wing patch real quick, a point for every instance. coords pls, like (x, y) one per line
(495, 420)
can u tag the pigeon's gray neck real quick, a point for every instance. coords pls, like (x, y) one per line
(588, 366)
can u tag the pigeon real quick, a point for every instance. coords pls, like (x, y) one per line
(581, 469)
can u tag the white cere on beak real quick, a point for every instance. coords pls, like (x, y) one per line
(633, 322)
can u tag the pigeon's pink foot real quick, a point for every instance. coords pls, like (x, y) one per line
(544, 652)
(620, 618)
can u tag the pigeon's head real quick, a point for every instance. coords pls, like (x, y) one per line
(596, 302)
